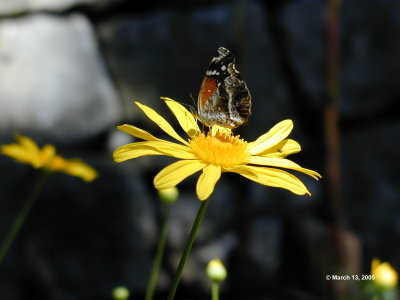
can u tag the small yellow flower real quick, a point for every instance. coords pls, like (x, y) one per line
(216, 152)
(27, 151)
(385, 276)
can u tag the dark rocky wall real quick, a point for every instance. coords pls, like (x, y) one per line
(69, 72)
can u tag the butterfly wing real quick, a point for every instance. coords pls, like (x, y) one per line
(223, 98)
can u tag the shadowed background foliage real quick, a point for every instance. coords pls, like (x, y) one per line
(70, 71)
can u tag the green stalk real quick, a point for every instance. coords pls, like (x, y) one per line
(215, 290)
(19, 221)
(155, 270)
(390, 294)
(188, 247)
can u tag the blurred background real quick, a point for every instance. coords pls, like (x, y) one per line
(69, 73)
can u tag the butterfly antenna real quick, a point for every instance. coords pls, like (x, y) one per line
(194, 102)
(185, 104)
(192, 108)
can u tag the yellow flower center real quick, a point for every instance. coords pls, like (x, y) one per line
(222, 149)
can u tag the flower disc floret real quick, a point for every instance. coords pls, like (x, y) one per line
(222, 149)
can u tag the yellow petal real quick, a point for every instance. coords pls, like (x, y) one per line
(160, 147)
(375, 264)
(281, 163)
(173, 174)
(184, 117)
(48, 153)
(283, 149)
(134, 150)
(58, 163)
(76, 167)
(137, 132)
(207, 180)
(161, 122)
(27, 143)
(26, 151)
(274, 136)
(272, 177)
(18, 153)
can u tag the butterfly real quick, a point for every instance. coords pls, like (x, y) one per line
(224, 98)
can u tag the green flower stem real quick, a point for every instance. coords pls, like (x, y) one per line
(19, 221)
(155, 270)
(188, 247)
(390, 294)
(215, 290)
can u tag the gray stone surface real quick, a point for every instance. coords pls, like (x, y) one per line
(11, 7)
(15, 7)
(53, 79)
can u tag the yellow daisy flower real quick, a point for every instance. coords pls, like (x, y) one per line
(28, 152)
(215, 152)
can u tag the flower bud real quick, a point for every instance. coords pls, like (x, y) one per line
(168, 196)
(216, 270)
(120, 293)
